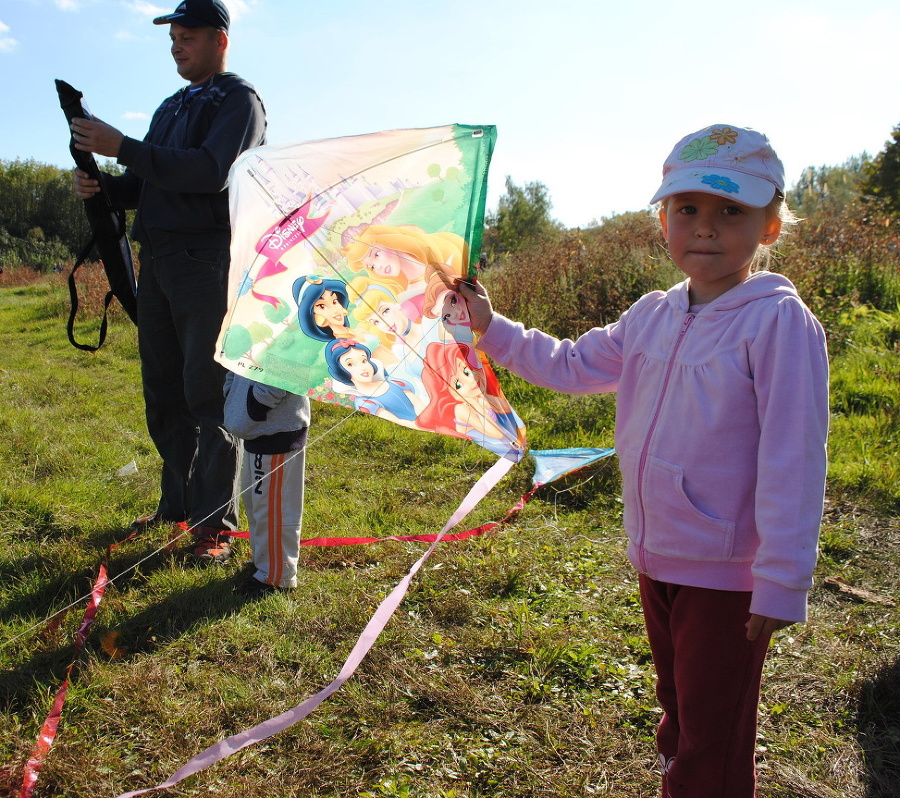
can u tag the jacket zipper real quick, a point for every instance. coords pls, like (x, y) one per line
(646, 448)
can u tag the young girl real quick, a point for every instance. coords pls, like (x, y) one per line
(721, 425)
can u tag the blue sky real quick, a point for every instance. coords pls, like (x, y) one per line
(588, 97)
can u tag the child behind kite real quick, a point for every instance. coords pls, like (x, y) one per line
(273, 425)
(721, 424)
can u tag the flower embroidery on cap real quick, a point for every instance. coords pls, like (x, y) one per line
(737, 159)
(721, 183)
(698, 149)
(724, 135)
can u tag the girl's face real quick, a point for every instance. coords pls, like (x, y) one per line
(713, 239)
(328, 310)
(389, 317)
(383, 262)
(463, 384)
(454, 310)
(357, 365)
(392, 263)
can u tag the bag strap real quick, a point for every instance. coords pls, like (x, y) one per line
(73, 295)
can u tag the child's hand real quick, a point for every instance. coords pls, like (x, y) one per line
(761, 625)
(480, 310)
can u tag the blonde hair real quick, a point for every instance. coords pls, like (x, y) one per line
(766, 253)
(429, 249)
(365, 297)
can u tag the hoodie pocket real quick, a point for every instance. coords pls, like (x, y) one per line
(674, 527)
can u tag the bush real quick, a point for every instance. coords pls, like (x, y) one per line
(584, 278)
(845, 256)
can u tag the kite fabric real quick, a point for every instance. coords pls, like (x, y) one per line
(345, 253)
(551, 464)
(108, 230)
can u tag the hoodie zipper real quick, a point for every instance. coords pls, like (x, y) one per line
(688, 319)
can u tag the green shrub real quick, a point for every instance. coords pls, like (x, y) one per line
(844, 257)
(584, 278)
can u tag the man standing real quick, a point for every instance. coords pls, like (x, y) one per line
(177, 179)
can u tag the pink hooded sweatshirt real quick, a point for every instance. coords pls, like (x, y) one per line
(721, 425)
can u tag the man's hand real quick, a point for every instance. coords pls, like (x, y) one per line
(85, 187)
(92, 135)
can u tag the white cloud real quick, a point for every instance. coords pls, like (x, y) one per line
(237, 9)
(135, 115)
(67, 5)
(7, 43)
(148, 10)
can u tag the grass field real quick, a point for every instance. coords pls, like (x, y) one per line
(516, 666)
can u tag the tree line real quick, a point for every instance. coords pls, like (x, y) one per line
(43, 225)
(523, 215)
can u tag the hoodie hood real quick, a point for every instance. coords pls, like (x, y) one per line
(756, 286)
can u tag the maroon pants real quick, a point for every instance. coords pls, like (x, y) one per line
(708, 685)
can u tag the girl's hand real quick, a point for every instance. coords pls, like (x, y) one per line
(480, 310)
(761, 625)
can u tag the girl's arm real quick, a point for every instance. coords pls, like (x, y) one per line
(591, 364)
(789, 363)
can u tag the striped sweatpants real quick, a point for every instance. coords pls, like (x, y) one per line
(273, 501)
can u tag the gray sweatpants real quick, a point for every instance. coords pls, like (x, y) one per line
(273, 502)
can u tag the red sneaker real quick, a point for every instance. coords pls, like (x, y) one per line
(211, 546)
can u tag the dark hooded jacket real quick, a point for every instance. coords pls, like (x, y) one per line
(177, 177)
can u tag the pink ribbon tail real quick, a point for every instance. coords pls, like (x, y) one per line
(374, 627)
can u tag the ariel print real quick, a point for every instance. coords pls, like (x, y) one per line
(345, 255)
(460, 403)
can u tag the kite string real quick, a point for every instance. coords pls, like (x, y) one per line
(384, 612)
(170, 543)
(165, 547)
(361, 648)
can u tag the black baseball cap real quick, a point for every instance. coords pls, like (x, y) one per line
(198, 14)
